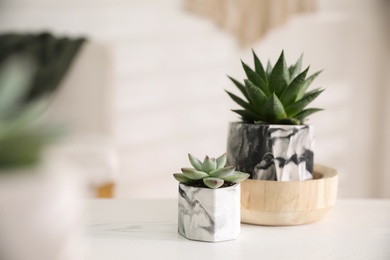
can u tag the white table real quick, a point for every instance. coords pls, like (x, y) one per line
(147, 229)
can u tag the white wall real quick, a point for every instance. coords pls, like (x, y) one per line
(169, 72)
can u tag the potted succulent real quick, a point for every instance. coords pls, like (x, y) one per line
(38, 213)
(209, 200)
(273, 143)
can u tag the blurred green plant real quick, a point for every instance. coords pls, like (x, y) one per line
(22, 137)
(210, 173)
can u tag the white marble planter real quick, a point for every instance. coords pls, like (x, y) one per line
(272, 152)
(40, 215)
(210, 215)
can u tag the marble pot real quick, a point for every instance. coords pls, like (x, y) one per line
(272, 152)
(210, 215)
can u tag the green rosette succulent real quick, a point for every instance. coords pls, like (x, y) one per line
(277, 94)
(210, 173)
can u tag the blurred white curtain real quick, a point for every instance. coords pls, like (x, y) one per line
(384, 180)
(84, 104)
(249, 20)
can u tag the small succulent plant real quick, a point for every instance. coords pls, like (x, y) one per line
(277, 94)
(210, 173)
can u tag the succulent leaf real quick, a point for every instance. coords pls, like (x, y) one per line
(307, 83)
(241, 102)
(182, 178)
(213, 183)
(195, 162)
(256, 96)
(221, 161)
(289, 121)
(255, 78)
(269, 69)
(247, 115)
(259, 67)
(274, 110)
(295, 108)
(260, 122)
(307, 112)
(279, 76)
(236, 177)
(240, 86)
(193, 174)
(209, 164)
(222, 172)
(296, 68)
(291, 93)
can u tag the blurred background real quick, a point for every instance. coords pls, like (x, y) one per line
(148, 85)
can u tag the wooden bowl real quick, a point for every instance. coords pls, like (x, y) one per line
(286, 203)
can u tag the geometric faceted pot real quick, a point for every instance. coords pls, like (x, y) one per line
(210, 215)
(272, 152)
(279, 203)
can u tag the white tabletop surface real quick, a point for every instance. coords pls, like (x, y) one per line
(147, 229)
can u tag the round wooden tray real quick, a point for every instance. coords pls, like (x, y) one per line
(286, 203)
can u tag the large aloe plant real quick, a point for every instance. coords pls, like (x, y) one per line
(277, 94)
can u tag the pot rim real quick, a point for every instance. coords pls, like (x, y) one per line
(299, 126)
(223, 188)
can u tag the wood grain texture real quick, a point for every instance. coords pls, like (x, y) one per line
(279, 203)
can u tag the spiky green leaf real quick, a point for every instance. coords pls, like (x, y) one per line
(240, 86)
(194, 174)
(273, 109)
(213, 183)
(255, 78)
(296, 68)
(236, 177)
(222, 172)
(259, 67)
(307, 83)
(260, 122)
(221, 161)
(279, 76)
(291, 93)
(307, 112)
(247, 115)
(241, 102)
(297, 107)
(182, 178)
(257, 98)
(209, 164)
(313, 91)
(195, 162)
(269, 69)
(289, 121)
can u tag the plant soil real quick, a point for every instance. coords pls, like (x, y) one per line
(200, 184)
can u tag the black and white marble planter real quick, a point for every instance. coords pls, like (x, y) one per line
(272, 152)
(210, 215)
